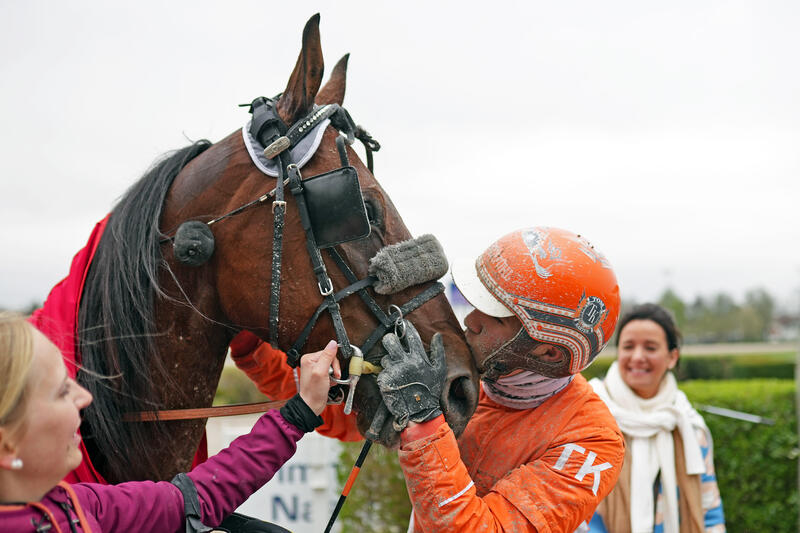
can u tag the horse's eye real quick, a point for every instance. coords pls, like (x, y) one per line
(370, 212)
(374, 209)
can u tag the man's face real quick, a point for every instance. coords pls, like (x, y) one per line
(487, 334)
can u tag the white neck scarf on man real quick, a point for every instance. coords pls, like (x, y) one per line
(649, 423)
(524, 390)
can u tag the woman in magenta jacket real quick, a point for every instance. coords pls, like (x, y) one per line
(39, 418)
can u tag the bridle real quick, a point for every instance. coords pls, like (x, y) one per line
(272, 132)
(278, 138)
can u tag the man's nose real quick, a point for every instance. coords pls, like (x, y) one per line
(475, 321)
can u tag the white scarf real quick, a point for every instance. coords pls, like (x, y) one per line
(524, 390)
(649, 423)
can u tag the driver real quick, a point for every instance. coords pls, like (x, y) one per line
(542, 449)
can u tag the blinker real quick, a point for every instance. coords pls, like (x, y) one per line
(193, 243)
(335, 207)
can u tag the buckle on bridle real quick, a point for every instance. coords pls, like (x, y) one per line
(278, 203)
(278, 145)
(326, 291)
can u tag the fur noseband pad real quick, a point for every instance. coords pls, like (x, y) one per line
(408, 263)
(194, 243)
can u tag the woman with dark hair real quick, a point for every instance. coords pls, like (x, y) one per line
(667, 481)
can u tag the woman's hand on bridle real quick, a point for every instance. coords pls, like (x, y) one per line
(314, 378)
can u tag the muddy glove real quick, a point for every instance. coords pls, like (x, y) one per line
(410, 382)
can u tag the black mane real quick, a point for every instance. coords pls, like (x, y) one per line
(116, 320)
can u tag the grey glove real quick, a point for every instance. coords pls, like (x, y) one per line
(410, 382)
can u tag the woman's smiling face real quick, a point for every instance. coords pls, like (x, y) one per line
(644, 356)
(49, 440)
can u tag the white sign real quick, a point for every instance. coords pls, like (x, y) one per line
(303, 492)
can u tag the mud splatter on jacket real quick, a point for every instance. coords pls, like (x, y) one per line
(542, 469)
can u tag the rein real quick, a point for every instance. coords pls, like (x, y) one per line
(204, 412)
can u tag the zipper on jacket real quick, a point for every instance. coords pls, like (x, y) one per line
(71, 521)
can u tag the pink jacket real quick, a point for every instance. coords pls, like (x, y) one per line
(223, 483)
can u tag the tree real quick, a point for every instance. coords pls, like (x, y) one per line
(762, 306)
(672, 302)
(378, 501)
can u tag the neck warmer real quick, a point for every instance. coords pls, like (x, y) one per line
(649, 423)
(524, 390)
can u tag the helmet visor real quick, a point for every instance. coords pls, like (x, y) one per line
(465, 277)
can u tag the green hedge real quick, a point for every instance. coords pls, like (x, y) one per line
(719, 366)
(378, 501)
(756, 464)
(235, 387)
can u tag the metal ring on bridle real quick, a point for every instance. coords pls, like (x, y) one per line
(356, 353)
(399, 324)
(337, 381)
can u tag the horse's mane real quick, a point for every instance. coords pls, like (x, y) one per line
(116, 319)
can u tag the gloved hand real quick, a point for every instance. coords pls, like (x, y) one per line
(410, 382)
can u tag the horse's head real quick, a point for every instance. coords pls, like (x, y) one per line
(241, 269)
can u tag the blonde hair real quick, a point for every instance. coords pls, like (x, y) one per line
(16, 356)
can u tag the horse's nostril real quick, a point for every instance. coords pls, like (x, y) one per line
(457, 392)
(460, 400)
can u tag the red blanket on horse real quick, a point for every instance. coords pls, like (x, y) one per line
(58, 320)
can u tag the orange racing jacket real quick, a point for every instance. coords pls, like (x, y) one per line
(542, 469)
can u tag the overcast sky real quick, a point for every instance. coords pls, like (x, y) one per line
(666, 133)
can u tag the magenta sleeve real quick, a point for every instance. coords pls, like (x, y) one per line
(142, 506)
(223, 483)
(227, 479)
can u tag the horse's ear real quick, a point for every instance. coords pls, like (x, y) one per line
(298, 98)
(333, 91)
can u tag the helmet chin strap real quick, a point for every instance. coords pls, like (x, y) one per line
(498, 362)
(515, 354)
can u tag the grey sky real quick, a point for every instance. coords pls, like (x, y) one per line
(666, 134)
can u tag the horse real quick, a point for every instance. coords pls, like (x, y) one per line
(154, 327)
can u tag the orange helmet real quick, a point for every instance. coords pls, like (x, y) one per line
(560, 287)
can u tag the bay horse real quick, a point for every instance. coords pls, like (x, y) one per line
(153, 330)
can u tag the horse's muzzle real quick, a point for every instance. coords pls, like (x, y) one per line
(459, 400)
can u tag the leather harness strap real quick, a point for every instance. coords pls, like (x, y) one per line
(204, 412)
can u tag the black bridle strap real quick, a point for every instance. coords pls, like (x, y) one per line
(415, 302)
(293, 355)
(279, 212)
(364, 294)
(341, 146)
(370, 145)
(323, 281)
